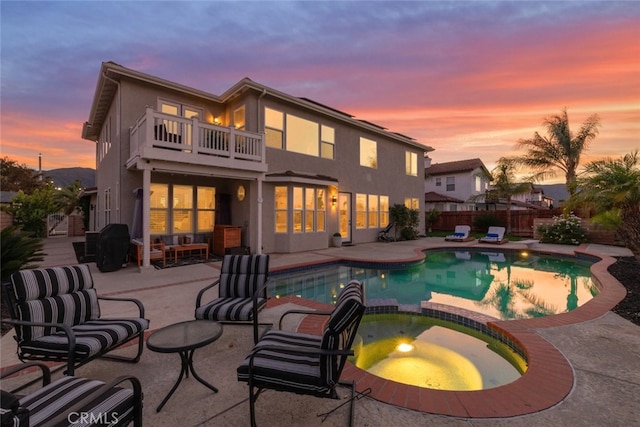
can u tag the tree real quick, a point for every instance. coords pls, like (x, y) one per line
(612, 189)
(406, 221)
(30, 211)
(561, 149)
(504, 184)
(15, 177)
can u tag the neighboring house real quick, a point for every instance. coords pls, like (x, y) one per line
(289, 171)
(455, 186)
(536, 197)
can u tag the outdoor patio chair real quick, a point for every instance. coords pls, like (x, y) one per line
(303, 363)
(72, 401)
(242, 292)
(460, 234)
(57, 317)
(494, 235)
(383, 235)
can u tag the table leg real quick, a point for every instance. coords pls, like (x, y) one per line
(184, 369)
(196, 376)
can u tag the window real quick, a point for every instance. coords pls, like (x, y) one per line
(411, 163)
(239, 118)
(298, 135)
(372, 218)
(478, 183)
(298, 203)
(107, 206)
(361, 211)
(384, 211)
(159, 208)
(182, 209)
(327, 142)
(451, 183)
(368, 153)
(302, 136)
(438, 182)
(281, 209)
(412, 203)
(453, 207)
(309, 209)
(322, 209)
(372, 211)
(206, 203)
(274, 128)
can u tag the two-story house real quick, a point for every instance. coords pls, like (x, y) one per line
(174, 160)
(455, 186)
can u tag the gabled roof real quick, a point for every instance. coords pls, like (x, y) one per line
(433, 197)
(111, 74)
(455, 167)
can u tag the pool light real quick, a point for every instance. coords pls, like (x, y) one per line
(404, 347)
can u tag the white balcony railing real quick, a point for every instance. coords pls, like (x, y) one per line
(191, 136)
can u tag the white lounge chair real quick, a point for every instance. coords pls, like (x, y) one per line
(494, 235)
(460, 234)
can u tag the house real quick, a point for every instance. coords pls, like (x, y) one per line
(535, 197)
(288, 172)
(455, 186)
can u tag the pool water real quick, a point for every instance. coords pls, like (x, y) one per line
(431, 353)
(501, 284)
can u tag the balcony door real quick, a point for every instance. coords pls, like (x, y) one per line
(180, 128)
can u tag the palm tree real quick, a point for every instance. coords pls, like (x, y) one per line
(612, 189)
(561, 149)
(504, 184)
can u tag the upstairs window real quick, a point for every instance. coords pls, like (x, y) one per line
(327, 142)
(411, 163)
(368, 153)
(239, 120)
(451, 183)
(302, 136)
(438, 182)
(274, 128)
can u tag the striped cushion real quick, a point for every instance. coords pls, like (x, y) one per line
(48, 282)
(91, 338)
(283, 370)
(222, 309)
(54, 295)
(310, 374)
(345, 316)
(55, 398)
(241, 275)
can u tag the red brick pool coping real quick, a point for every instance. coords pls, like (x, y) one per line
(548, 380)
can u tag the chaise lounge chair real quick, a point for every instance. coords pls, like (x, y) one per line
(494, 235)
(460, 234)
(383, 235)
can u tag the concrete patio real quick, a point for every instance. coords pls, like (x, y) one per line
(604, 353)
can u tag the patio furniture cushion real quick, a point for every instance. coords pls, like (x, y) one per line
(242, 291)
(92, 338)
(57, 316)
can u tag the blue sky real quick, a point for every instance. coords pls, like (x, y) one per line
(467, 78)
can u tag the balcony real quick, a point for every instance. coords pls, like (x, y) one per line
(169, 138)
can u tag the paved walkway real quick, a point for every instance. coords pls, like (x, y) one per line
(603, 352)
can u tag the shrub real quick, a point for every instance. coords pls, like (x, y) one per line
(484, 221)
(565, 230)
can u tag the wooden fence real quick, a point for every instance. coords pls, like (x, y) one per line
(523, 223)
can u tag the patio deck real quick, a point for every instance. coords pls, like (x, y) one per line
(602, 351)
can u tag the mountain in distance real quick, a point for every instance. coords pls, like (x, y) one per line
(64, 176)
(558, 192)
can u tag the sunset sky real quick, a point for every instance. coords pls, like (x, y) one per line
(467, 78)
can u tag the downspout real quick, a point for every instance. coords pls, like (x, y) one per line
(261, 179)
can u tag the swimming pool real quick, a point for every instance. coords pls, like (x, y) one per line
(504, 284)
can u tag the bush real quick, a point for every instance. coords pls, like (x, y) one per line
(565, 230)
(406, 220)
(19, 250)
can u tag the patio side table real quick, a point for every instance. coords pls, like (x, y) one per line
(184, 338)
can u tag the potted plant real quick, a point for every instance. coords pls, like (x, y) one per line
(336, 240)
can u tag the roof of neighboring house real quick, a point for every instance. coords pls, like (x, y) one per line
(455, 167)
(7, 196)
(433, 197)
(111, 74)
